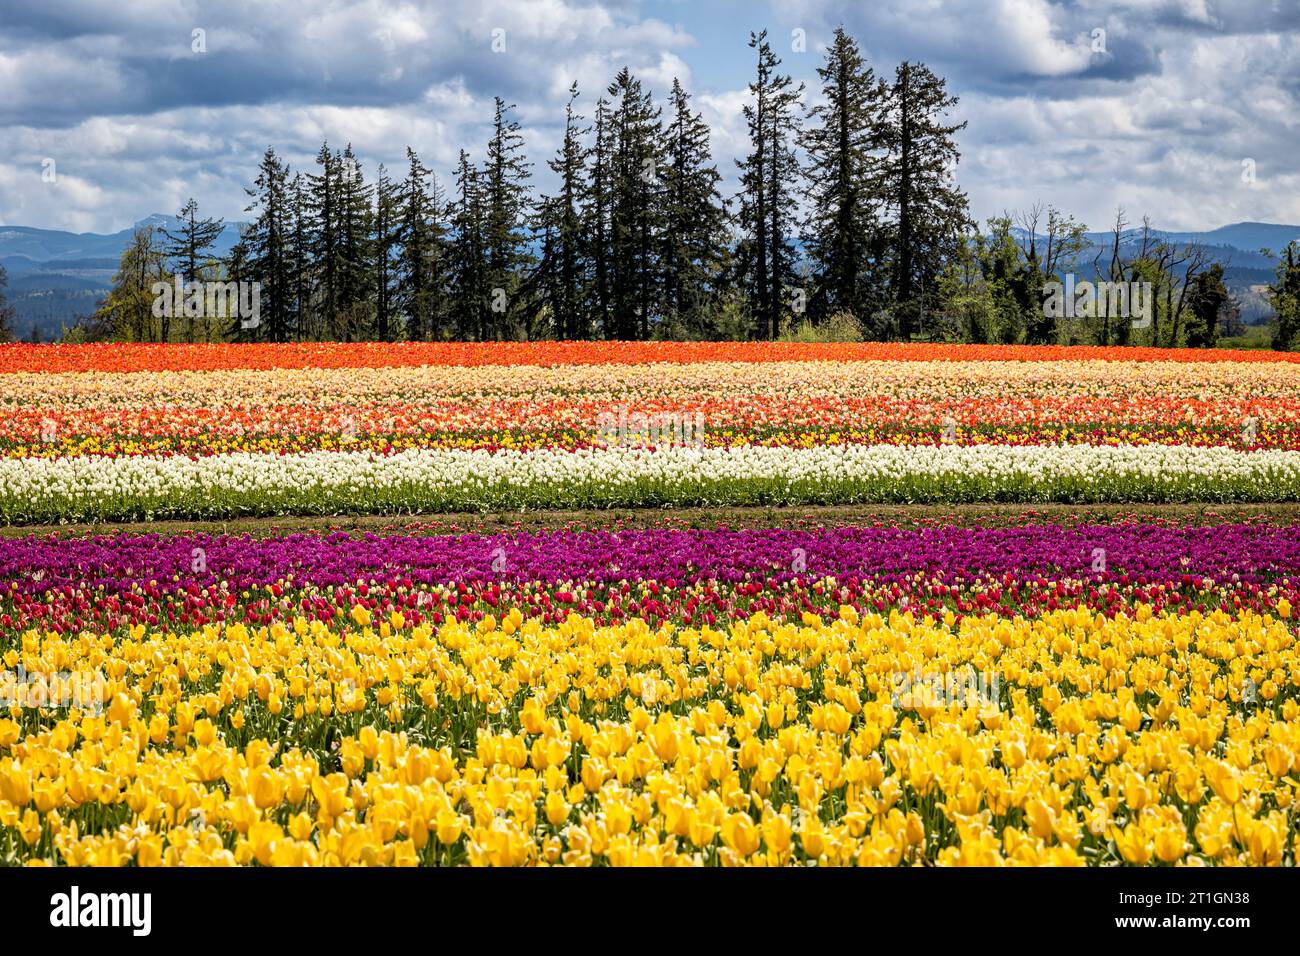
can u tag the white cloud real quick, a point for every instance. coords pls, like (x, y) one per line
(1160, 122)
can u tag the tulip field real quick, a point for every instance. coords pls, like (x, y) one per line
(341, 643)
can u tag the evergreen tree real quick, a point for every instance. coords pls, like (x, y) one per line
(185, 248)
(356, 286)
(635, 205)
(505, 190)
(422, 256)
(1013, 282)
(842, 140)
(694, 219)
(469, 274)
(8, 315)
(387, 235)
(769, 177)
(1231, 325)
(597, 201)
(1285, 296)
(269, 256)
(300, 250)
(929, 211)
(237, 269)
(562, 271)
(1204, 301)
(324, 245)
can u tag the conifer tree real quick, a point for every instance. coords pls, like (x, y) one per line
(635, 206)
(300, 251)
(1205, 300)
(929, 211)
(597, 200)
(385, 241)
(356, 287)
(769, 178)
(185, 247)
(269, 258)
(324, 245)
(1284, 294)
(422, 256)
(469, 275)
(694, 220)
(842, 141)
(8, 314)
(505, 194)
(562, 271)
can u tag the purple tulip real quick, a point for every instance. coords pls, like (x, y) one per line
(1144, 553)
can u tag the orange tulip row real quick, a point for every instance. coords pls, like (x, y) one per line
(129, 357)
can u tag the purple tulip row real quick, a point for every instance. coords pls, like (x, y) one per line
(1143, 553)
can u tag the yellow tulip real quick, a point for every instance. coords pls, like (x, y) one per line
(740, 834)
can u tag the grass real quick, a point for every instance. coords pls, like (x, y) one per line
(1255, 337)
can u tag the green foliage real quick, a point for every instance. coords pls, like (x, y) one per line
(128, 309)
(1205, 300)
(7, 313)
(840, 327)
(1285, 296)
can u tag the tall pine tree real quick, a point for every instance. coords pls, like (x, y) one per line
(387, 235)
(324, 243)
(269, 257)
(505, 192)
(422, 254)
(185, 247)
(305, 318)
(929, 211)
(356, 286)
(768, 180)
(842, 141)
(8, 315)
(635, 206)
(562, 271)
(1205, 300)
(694, 219)
(597, 201)
(470, 306)
(1284, 294)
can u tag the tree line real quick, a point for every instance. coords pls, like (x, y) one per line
(847, 222)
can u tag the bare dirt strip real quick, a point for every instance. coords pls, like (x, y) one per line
(986, 515)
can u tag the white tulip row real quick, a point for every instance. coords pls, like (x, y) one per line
(426, 480)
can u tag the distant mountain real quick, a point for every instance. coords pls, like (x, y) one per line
(1244, 236)
(53, 245)
(56, 276)
(1239, 248)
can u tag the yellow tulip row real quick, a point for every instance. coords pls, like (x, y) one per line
(1069, 739)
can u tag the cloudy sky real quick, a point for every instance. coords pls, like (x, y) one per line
(1156, 105)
